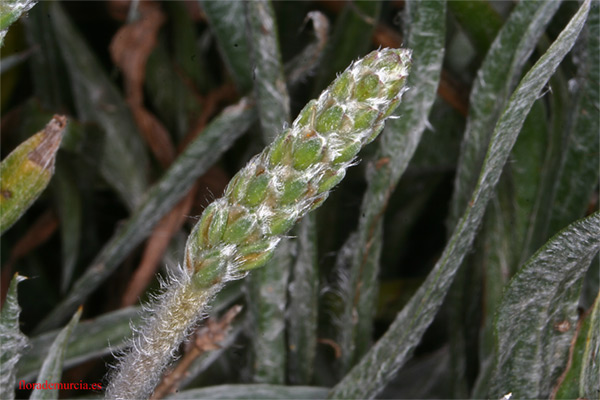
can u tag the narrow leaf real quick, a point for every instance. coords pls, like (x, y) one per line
(27, 170)
(46, 60)
(253, 392)
(379, 365)
(268, 285)
(201, 154)
(538, 313)
(578, 176)
(13, 341)
(88, 340)
(570, 171)
(53, 364)
(269, 82)
(224, 18)
(493, 85)
(124, 160)
(397, 146)
(496, 254)
(266, 303)
(302, 305)
(69, 205)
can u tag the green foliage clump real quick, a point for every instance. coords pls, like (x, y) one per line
(457, 258)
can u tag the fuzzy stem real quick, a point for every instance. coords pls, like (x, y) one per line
(174, 315)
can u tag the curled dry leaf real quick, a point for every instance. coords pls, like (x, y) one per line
(129, 49)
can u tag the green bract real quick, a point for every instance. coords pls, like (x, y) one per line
(296, 172)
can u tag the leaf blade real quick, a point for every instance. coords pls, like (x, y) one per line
(539, 307)
(52, 367)
(379, 365)
(124, 159)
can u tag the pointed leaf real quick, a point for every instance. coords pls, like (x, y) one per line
(88, 340)
(303, 304)
(269, 82)
(69, 204)
(578, 175)
(224, 18)
(53, 364)
(13, 341)
(398, 144)
(379, 365)
(124, 160)
(253, 392)
(491, 89)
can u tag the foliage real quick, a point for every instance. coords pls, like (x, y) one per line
(457, 259)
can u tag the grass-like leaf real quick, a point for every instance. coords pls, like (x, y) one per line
(47, 59)
(226, 21)
(538, 314)
(427, 26)
(491, 90)
(381, 362)
(12, 339)
(69, 205)
(497, 249)
(258, 391)
(268, 286)
(303, 294)
(397, 146)
(124, 160)
(88, 340)
(578, 176)
(51, 370)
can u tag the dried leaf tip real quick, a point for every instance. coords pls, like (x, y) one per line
(27, 170)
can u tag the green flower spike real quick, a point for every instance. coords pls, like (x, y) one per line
(239, 231)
